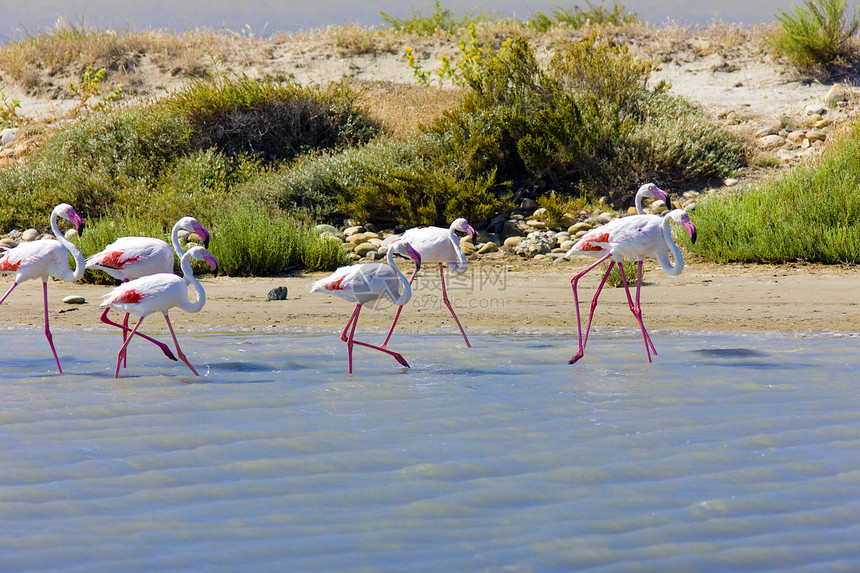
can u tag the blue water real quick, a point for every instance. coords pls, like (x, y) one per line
(729, 452)
(265, 17)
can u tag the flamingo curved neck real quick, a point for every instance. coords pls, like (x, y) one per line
(455, 242)
(664, 261)
(188, 275)
(406, 292)
(80, 263)
(174, 239)
(639, 209)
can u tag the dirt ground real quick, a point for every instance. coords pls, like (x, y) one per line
(506, 295)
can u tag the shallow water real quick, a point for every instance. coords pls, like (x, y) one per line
(729, 452)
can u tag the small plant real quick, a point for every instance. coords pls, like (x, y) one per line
(631, 273)
(576, 18)
(470, 59)
(557, 206)
(441, 19)
(9, 111)
(89, 88)
(815, 34)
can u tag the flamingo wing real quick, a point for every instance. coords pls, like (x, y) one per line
(133, 257)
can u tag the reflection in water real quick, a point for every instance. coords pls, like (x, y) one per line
(500, 456)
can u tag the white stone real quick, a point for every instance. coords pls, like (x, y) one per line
(29, 235)
(74, 299)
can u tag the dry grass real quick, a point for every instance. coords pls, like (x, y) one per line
(403, 108)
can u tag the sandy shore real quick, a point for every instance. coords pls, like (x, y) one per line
(506, 295)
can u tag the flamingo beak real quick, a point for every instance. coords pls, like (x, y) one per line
(691, 229)
(470, 231)
(213, 262)
(201, 231)
(76, 221)
(413, 254)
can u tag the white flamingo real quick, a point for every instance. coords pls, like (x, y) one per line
(129, 258)
(637, 237)
(159, 293)
(366, 283)
(45, 259)
(441, 246)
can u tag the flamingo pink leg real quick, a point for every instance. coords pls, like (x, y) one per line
(350, 341)
(399, 310)
(48, 328)
(176, 343)
(122, 349)
(639, 308)
(594, 301)
(636, 311)
(573, 283)
(451, 308)
(8, 292)
(125, 329)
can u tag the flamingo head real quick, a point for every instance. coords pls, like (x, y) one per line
(404, 249)
(682, 218)
(201, 254)
(463, 226)
(654, 192)
(68, 212)
(192, 225)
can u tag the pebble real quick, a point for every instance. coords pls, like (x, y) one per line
(814, 109)
(74, 299)
(365, 248)
(10, 243)
(512, 242)
(770, 141)
(816, 135)
(277, 293)
(353, 230)
(488, 248)
(29, 235)
(835, 95)
(8, 135)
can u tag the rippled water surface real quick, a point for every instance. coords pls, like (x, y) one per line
(729, 452)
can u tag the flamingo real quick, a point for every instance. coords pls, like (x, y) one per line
(366, 283)
(637, 236)
(130, 258)
(649, 191)
(159, 293)
(442, 246)
(45, 259)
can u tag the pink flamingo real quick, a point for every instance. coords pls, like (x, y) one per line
(159, 293)
(45, 259)
(637, 236)
(130, 258)
(366, 283)
(442, 246)
(649, 191)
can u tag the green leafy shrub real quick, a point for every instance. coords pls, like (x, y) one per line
(815, 34)
(586, 122)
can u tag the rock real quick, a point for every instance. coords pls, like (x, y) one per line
(70, 234)
(770, 142)
(815, 135)
(277, 293)
(814, 109)
(8, 135)
(568, 219)
(567, 245)
(353, 230)
(528, 204)
(512, 242)
(692, 193)
(511, 228)
(631, 210)
(74, 299)
(29, 235)
(535, 224)
(581, 226)
(772, 128)
(323, 228)
(364, 248)
(658, 207)
(488, 248)
(536, 243)
(834, 96)
(539, 214)
(7, 242)
(597, 220)
(796, 136)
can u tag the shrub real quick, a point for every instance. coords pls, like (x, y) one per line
(441, 19)
(576, 18)
(249, 240)
(815, 33)
(270, 120)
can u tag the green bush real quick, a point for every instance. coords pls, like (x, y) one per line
(441, 19)
(576, 18)
(270, 120)
(248, 240)
(810, 214)
(815, 33)
(587, 122)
